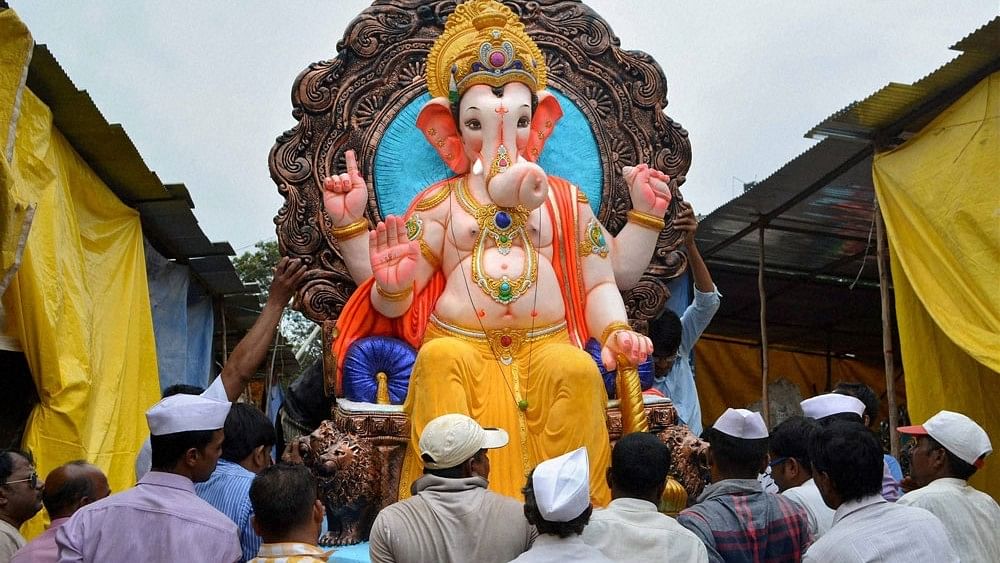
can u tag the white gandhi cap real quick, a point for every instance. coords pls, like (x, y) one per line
(186, 413)
(562, 486)
(822, 406)
(741, 423)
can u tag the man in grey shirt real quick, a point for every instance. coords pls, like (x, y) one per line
(451, 516)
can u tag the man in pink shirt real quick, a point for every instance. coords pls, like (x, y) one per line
(68, 488)
(161, 519)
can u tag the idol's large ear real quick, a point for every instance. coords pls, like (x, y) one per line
(547, 113)
(438, 125)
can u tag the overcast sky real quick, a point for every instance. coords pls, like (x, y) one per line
(203, 88)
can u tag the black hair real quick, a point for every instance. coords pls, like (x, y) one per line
(791, 439)
(7, 463)
(840, 417)
(736, 456)
(283, 497)
(456, 472)
(665, 332)
(246, 429)
(959, 468)
(182, 389)
(850, 456)
(58, 501)
(863, 393)
(562, 529)
(168, 449)
(639, 464)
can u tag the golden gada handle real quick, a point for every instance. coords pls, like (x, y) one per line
(629, 392)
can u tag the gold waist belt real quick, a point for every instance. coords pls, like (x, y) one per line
(505, 342)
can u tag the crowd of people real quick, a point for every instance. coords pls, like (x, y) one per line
(213, 494)
(816, 487)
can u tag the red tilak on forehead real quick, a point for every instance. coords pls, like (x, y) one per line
(501, 111)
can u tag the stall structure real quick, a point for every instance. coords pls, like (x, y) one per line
(923, 157)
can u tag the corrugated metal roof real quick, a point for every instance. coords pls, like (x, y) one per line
(818, 212)
(165, 211)
(901, 108)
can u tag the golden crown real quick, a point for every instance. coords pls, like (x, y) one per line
(483, 42)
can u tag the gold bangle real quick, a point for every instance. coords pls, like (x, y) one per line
(350, 231)
(612, 328)
(394, 296)
(651, 222)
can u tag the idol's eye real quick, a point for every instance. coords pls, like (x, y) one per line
(523, 122)
(473, 125)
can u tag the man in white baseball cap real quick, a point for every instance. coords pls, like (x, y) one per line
(161, 518)
(948, 450)
(451, 516)
(557, 502)
(735, 518)
(835, 406)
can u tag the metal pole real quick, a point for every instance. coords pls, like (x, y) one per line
(883, 283)
(765, 406)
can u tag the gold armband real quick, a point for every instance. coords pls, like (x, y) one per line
(394, 295)
(612, 328)
(651, 222)
(428, 254)
(350, 231)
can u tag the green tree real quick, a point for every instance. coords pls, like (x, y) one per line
(257, 266)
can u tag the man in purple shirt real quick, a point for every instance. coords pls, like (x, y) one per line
(68, 488)
(161, 518)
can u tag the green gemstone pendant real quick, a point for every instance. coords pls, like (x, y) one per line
(522, 405)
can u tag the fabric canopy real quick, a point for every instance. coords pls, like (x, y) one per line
(938, 194)
(79, 302)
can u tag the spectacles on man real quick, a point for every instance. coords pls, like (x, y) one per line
(32, 480)
(777, 461)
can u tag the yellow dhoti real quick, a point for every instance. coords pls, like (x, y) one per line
(461, 370)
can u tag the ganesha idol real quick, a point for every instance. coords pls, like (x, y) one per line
(502, 271)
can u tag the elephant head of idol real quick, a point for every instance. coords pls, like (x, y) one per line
(489, 114)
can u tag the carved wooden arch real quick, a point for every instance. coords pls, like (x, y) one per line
(349, 101)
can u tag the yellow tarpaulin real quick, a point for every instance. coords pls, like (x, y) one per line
(729, 375)
(79, 301)
(940, 196)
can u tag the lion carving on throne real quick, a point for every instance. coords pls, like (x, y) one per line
(467, 257)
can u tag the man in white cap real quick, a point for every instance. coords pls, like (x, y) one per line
(949, 448)
(161, 518)
(631, 528)
(835, 406)
(847, 466)
(452, 517)
(249, 352)
(735, 518)
(557, 502)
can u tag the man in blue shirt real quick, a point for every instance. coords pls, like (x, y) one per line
(246, 451)
(674, 337)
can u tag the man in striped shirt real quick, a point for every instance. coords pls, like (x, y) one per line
(246, 451)
(735, 519)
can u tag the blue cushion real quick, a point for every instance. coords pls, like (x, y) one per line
(645, 369)
(369, 356)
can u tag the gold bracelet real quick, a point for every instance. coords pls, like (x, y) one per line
(350, 231)
(612, 328)
(651, 222)
(394, 296)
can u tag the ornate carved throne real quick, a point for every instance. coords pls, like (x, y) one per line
(367, 98)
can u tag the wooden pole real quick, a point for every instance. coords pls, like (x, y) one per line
(883, 284)
(765, 404)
